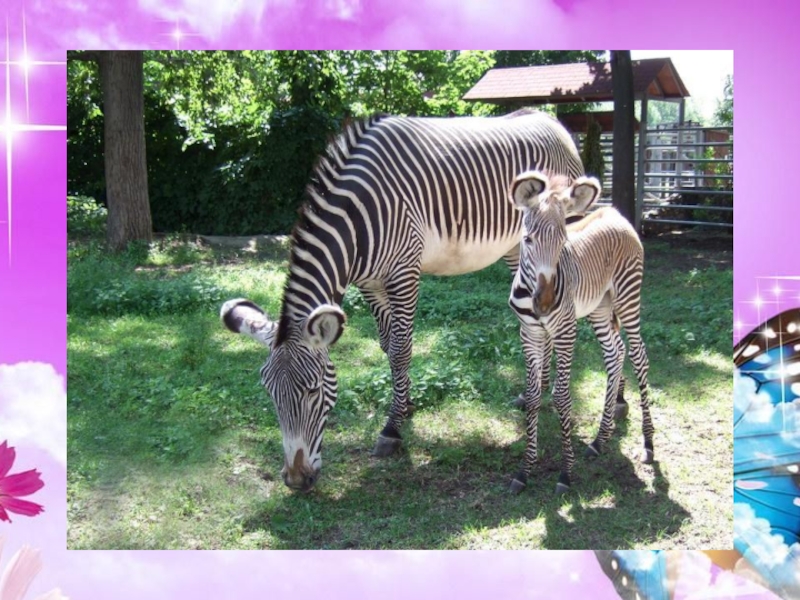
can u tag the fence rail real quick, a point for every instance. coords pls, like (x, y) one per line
(684, 176)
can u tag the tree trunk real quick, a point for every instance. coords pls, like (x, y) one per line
(622, 179)
(129, 218)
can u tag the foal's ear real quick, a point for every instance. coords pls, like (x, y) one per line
(324, 326)
(583, 194)
(526, 189)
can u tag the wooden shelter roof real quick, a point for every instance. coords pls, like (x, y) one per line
(575, 82)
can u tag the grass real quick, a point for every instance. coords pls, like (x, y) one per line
(174, 444)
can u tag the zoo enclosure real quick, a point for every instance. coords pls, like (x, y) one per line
(684, 172)
(683, 177)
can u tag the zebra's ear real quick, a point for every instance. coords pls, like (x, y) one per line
(243, 316)
(324, 326)
(584, 192)
(526, 189)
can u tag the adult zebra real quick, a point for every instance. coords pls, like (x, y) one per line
(392, 197)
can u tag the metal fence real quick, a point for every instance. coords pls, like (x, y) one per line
(683, 177)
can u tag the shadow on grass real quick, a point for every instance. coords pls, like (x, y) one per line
(461, 499)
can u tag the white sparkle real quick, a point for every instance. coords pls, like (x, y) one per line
(8, 127)
(179, 34)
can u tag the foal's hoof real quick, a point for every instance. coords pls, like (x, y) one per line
(648, 456)
(386, 446)
(620, 411)
(562, 487)
(592, 451)
(516, 486)
(519, 483)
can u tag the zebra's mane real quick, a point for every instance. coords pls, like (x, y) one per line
(338, 150)
(326, 169)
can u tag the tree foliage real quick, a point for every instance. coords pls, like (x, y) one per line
(232, 136)
(592, 152)
(724, 113)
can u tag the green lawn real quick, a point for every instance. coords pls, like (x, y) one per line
(174, 444)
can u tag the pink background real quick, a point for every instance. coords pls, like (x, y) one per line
(32, 283)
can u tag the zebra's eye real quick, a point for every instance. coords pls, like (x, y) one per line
(527, 240)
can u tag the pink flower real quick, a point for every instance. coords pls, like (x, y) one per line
(19, 574)
(13, 486)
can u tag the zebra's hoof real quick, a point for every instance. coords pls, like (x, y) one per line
(561, 489)
(519, 402)
(386, 446)
(648, 456)
(620, 411)
(516, 486)
(592, 451)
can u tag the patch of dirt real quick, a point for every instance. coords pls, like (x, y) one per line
(246, 243)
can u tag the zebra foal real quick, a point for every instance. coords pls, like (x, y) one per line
(592, 268)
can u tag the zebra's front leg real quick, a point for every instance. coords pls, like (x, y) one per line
(533, 343)
(545, 376)
(607, 332)
(564, 344)
(402, 294)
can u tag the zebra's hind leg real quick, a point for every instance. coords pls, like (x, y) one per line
(402, 293)
(640, 362)
(621, 406)
(606, 328)
(638, 355)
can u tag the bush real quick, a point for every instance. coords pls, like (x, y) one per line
(85, 217)
(592, 153)
(102, 284)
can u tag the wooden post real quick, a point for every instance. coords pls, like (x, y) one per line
(640, 165)
(623, 180)
(679, 157)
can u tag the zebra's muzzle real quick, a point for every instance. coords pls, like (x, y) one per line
(299, 476)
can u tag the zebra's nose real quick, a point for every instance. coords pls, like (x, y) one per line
(302, 482)
(298, 475)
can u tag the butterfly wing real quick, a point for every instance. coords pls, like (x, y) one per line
(767, 450)
(636, 574)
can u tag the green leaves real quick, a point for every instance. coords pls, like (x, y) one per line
(724, 113)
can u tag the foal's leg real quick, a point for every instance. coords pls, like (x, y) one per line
(606, 329)
(533, 344)
(627, 308)
(564, 345)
